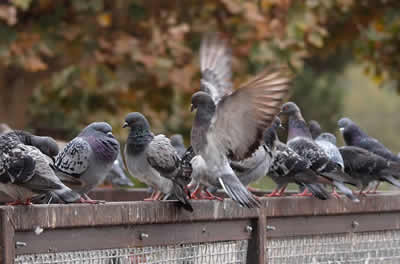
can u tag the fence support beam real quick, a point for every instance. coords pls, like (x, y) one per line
(255, 250)
(7, 243)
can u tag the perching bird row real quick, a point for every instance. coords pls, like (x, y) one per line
(233, 143)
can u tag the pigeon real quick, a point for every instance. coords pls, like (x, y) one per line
(26, 171)
(289, 167)
(300, 140)
(178, 144)
(153, 160)
(366, 167)
(354, 136)
(315, 128)
(117, 175)
(87, 158)
(228, 126)
(327, 141)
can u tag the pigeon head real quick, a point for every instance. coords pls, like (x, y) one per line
(276, 124)
(177, 140)
(270, 135)
(136, 121)
(46, 145)
(98, 129)
(327, 137)
(350, 131)
(315, 128)
(344, 122)
(202, 100)
(289, 108)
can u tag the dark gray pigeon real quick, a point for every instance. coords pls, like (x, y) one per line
(117, 175)
(25, 168)
(178, 144)
(354, 136)
(288, 167)
(366, 167)
(153, 160)
(228, 126)
(315, 128)
(327, 141)
(300, 140)
(88, 158)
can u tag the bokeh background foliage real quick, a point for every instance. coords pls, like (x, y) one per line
(66, 63)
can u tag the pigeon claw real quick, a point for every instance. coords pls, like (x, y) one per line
(210, 196)
(303, 194)
(17, 202)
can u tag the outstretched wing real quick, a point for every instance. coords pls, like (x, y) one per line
(215, 65)
(162, 156)
(242, 117)
(74, 158)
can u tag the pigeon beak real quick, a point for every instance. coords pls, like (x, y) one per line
(341, 129)
(281, 127)
(110, 134)
(192, 107)
(125, 125)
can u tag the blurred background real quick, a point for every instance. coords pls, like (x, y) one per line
(66, 63)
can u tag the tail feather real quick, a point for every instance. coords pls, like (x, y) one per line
(180, 194)
(346, 191)
(318, 191)
(238, 192)
(390, 179)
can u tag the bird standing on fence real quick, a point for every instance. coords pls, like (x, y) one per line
(88, 158)
(25, 168)
(327, 141)
(366, 167)
(354, 136)
(289, 167)
(229, 125)
(300, 140)
(153, 160)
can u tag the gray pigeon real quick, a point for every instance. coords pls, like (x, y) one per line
(178, 144)
(228, 126)
(117, 175)
(25, 168)
(354, 136)
(300, 140)
(366, 167)
(153, 160)
(327, 141)
(88, 158)
(315, 128)
(288, 167)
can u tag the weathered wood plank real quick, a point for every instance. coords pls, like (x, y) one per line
(90, 238)
(7, 242)
(332, 224)
(120, 213)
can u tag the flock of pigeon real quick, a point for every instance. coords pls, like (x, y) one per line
(234, 142)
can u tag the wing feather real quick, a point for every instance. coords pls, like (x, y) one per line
(215, 66)
(242, 117)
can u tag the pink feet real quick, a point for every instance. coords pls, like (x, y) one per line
(18, 202)
(305, 193)
(210, 196)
